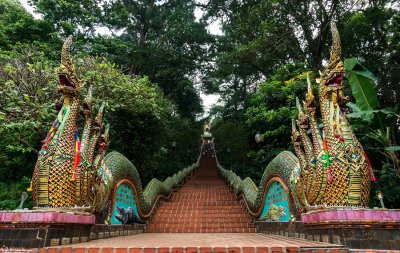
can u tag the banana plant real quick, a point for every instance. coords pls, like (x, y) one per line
(368, 108)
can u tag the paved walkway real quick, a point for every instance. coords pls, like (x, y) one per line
(200, 243)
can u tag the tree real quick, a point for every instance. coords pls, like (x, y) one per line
(71, 17)
(271, 109)
(260, 36)
(136, 110)
(372, 36)
(162, 40)
(19, 28)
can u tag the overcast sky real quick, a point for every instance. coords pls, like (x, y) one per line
(213, 28)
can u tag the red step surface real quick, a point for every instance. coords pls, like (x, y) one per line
(204, 204)
(199, 243)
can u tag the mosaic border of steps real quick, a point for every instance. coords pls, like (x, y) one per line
(39, 228)
(346, 216)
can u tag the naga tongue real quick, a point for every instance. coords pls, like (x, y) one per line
(338, 79)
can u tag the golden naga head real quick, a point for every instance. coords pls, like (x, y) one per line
(87, 106)
(207, 127)
(333, 74)
(296, 138)
(309, 103)
(302, 119)
(104, 139)
(98, 121)
(69, 81)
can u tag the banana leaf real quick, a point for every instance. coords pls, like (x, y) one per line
(362, 85)
(389, 114)
(362, 81)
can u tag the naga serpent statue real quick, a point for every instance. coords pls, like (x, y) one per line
(330, 167)
(78, 174)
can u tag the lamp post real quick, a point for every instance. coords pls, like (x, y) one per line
(228, 152)
(189, 152)
(173, 147)
(379, 194)
(259, 138)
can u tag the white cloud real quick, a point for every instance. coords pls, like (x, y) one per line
(209, 100)
(30, 9)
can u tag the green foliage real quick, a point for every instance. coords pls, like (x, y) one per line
(389, 184)
(69, 16)
(367, 105)
(268, 111)
(367, 108)
(27, 91)
(362, 84)
(271, 109)
(136, 109)
(10, 195)
(18, 29)
(169, 158)
(232, 146)
(372, 36)
(162, 41)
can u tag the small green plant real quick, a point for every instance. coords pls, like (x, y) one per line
(10, 194)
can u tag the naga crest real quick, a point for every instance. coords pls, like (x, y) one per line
(302, 117)
(296, 138)
(104, 140)
(309, 103)
(334, 71)
(98, 121)
(87, 106)
(69, 81)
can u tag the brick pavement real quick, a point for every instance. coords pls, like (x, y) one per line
(199, 243)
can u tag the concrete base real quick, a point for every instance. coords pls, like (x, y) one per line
(45, 217)
(351, 217)
(355, 228)
(38, 229)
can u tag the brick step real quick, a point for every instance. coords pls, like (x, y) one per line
(201, 230)
(162, 216)
(204, 204)
(203, 211)
(197, 194)
(208, 249)
(199, 200)
(218, 203)
(200, 214)
(199, 220)
(202, 225)
(197, 243)
(204, 197)
(197, 224)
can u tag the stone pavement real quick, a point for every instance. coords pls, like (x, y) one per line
(198, 243)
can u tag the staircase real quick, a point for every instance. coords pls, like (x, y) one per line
(203, 205)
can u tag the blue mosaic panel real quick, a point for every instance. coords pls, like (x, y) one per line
(125, 198)
(278, 196)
